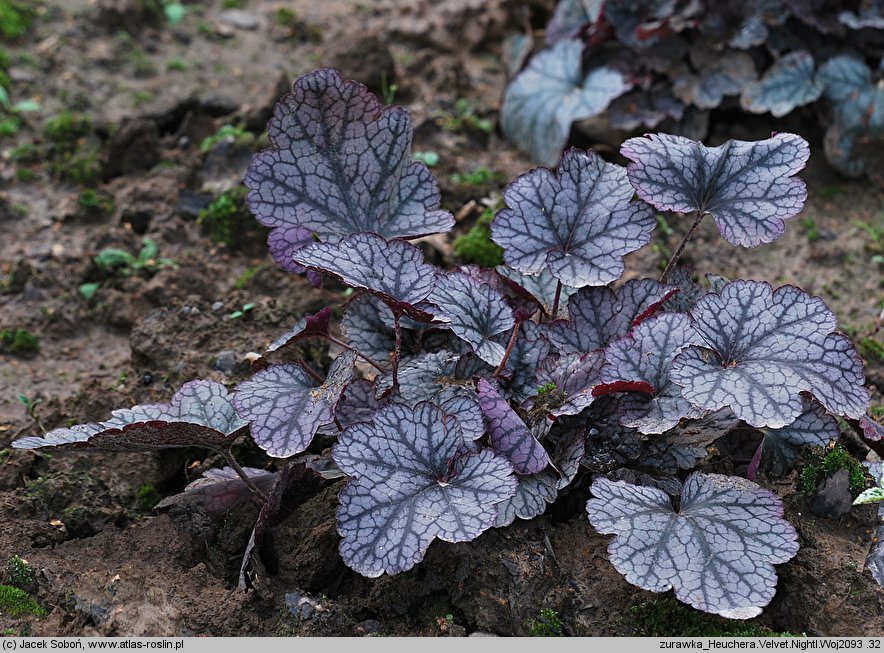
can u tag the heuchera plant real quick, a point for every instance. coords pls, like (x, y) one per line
(464, 399)
(628, 64)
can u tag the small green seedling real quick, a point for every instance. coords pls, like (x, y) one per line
(428, 158)
(120, 261)
(245, 309)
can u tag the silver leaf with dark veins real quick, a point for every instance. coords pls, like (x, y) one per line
(717, 552)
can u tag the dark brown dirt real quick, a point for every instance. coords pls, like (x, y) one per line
(105, 564)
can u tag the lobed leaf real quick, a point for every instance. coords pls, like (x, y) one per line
(285, 410)
(646, 354)
(761, 349)
(598, 315)
(340, 163)
(412, 485)
(474, 311)
(747, 187)
(200, 414)
(552, 92)
(283, 242)
(717, 552)
(577, 223)
(393, 270)
(788, 84)
(719, 76)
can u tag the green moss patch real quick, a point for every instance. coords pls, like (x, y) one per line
(16, 603)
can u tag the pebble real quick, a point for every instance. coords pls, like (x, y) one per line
(239, 19)
(225, 362)
(217, 306)
(832, 498)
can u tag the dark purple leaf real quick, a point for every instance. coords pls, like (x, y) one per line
(579, 380)
(530, 348)
(474, 312)
(687, 443)
(410, 487)
(311, 326)
(570, 17)
(578, 223)
(747, 187)
(717, 552)
(540, 104)
(283, 242)
(285, 410)
(367, 325)
(219, 489)
(762, 348)
(789, 83)
(508, 434)
(392, 270)
(720, 75)
(644, 108)
(639, 23)
(200, 414)
(689, 291)
(779, 449)
(598, 315)
(357, 404)
(541, 287)
(646, 355)
(340, 163)
(871, 429)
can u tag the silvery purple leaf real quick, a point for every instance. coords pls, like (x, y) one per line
(747, 187)
(779, 448)
(393, 270)
(530, 348)
(219, 489)
(283, 242)
(533, 494)
(717, 552)
(285, 410)
(357, 404)
(578, 223)
(474, 311)
(200, 414)
(508, 434)
(412, 485)
(871, 429)
(310, 326)
(844, 77)
(570, 17)
(646, 355)
(442, 377)
(751, 32)
(789, 83)
(541, 287)
(466, 409)
(367, 325)
(597, 315)
(540, 104)
(762, 348)
(340, 163)
(721, 75)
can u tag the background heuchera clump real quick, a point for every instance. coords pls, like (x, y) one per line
(465, 399)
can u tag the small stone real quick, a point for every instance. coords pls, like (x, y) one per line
(217, 306)
(832, 498)
(239, 19)
(480, 633)
(225, 362)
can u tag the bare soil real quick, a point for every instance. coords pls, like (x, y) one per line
(105, 563)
